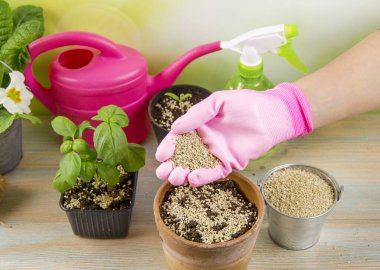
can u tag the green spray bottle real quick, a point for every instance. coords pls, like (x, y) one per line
(251, 45)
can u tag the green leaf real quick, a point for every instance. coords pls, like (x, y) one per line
(63, 126)
(172, 95)
(6, 22)
(110, 143)
(87, 170)
(6, 119)
(14, 51)
(82, 128)
(70, 166)
(34, 119)
(112, 114)
(110, 174)
(66, 147)
(135, 158)
(182, 97)
(59, 183)
(27, 13)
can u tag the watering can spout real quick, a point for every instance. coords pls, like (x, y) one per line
(167, 77)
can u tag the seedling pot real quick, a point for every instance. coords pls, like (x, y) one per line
(188, 255)
(298, 233)
(105, 223)
(11, 147)
(160, 132)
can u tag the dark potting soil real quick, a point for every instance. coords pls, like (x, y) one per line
(96, 195)
(167, 110)
(213, 213)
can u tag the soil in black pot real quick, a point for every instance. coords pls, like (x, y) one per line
(213, 213)
(167, 109)
(96, 195)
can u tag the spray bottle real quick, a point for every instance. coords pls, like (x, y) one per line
(251, 45)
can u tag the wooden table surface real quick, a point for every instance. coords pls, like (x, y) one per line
(40, 237)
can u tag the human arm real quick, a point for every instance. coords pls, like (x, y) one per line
(348, 85)
(241, 125)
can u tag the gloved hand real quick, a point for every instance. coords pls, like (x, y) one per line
(237, 126)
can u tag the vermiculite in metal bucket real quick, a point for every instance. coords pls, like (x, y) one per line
(297, 233)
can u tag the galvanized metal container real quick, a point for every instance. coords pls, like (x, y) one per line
(11, 147)
(297, 233)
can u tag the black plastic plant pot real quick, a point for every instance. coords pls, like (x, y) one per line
(11, 147)
(105, 223)
(196, 91)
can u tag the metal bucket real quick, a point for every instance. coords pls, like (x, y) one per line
(11, 147)
(297, 233)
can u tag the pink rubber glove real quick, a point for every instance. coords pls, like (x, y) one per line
(237, 126)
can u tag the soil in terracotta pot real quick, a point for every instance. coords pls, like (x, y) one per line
(167, 110)
(96, 195)
(213, 213)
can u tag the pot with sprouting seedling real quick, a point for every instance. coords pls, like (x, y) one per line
(171, 103)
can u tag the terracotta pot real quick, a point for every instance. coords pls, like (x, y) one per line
(188, 255)
(160, 132)
(11, 147)
(105, 223)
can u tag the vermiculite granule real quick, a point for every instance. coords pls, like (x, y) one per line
(298, 193)
(190, 153)
(213, 213)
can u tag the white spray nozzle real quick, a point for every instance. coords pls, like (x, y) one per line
(263, 39)
(250, 57)
(251, 45)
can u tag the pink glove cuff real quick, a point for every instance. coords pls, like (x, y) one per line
(297, 105)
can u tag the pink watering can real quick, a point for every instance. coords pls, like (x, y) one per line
(98, 72)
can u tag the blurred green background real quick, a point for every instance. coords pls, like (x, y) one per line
(163, 30)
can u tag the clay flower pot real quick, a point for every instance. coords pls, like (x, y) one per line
(198, 92)
(11, 147)
(105, 223)
(188, 255)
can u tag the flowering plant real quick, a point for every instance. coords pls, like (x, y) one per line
(15, 100)
(18, 28)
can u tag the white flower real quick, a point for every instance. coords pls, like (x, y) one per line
(16, 97)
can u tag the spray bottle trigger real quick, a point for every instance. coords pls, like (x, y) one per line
(289, 54)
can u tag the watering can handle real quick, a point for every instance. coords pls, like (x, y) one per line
(105, 46)
(47, 43)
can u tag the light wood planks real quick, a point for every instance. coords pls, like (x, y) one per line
(41, 237)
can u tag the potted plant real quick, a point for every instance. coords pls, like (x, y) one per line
(98, 185)
(171, 103)
(17, 29)
(186, 251)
